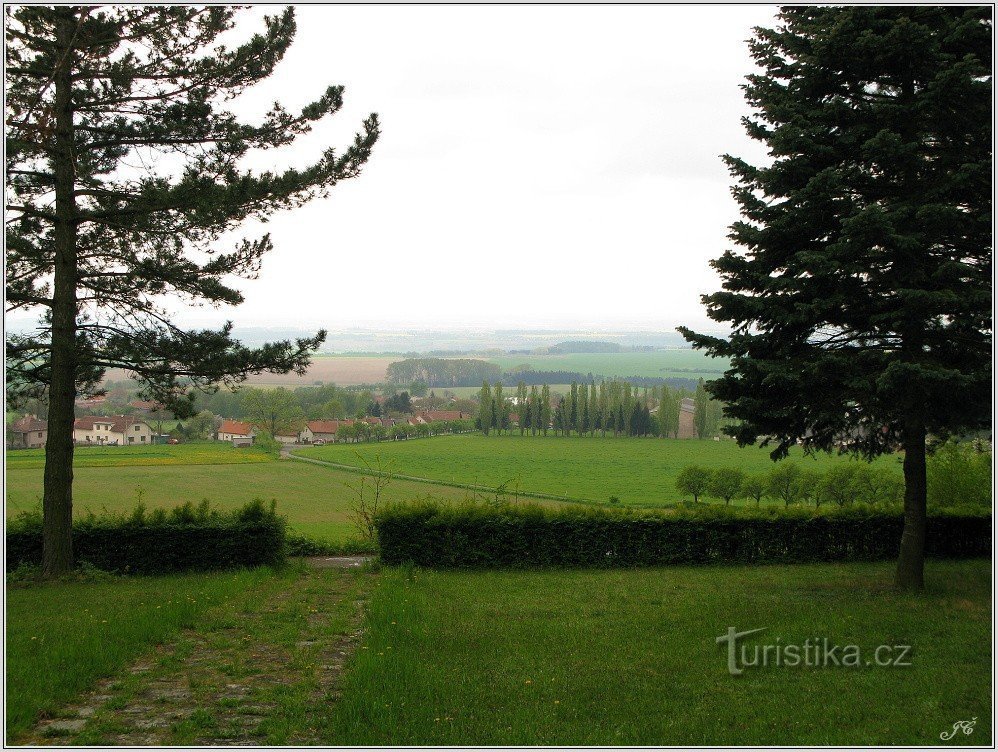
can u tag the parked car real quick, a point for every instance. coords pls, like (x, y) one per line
(173, 441)
(319, 442)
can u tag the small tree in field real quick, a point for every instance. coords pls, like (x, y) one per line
(694, 480)
(726, 483)
(860, 299)
(837, 484)
(123, 167)
(754, 486)
(784, 483)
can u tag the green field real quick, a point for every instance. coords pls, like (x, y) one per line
(628, 657)
(207, 453)
(640, 472)
(688, 364)
(316, 500)
(63, 636)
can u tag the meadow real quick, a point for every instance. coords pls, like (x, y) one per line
(63, 636)
(628, 657)
(316, 500)
(203, 453)
(640, 472)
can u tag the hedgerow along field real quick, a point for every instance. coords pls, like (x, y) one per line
(628, 657)
(316, 500)
(639, 472)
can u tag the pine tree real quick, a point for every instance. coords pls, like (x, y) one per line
(122, 174)
(861, 306)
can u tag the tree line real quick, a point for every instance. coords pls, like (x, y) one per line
(615, 408)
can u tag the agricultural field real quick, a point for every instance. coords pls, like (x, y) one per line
(316, 500)
(682, 363)
(628, 657)
(204, 453)
(640, 472)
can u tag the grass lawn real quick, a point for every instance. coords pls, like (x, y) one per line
(641, 472)
(62, 637)
(207, 453)
(316, 500)
(628, 657)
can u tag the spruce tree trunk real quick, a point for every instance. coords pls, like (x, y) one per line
(911, 560)
(57, 503)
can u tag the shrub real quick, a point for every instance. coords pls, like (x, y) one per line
(959, 472)
(303, 545)
(473, 535)
(186, 538)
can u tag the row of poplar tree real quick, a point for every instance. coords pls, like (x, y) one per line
(610, 407)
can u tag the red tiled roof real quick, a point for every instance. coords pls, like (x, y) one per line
(236, 427)
(29, 423)
(144, 404)
(323, 426)
(443, 415)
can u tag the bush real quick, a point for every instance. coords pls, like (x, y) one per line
(302, 545)
(187, 538)
(959, 472)
(469, 535)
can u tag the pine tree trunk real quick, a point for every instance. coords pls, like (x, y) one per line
(57, 501)
(911, 560)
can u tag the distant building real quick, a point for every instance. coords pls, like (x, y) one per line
(432, 415)
(235, 429)
(115, 430)
(687, 429)
(28, 433)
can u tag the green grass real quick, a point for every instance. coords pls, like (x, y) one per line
(207, 453)
(687, 364)
(628, 657)
(316, 500)
(63, 636)
(641, 472)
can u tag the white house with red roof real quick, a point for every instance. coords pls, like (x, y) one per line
(235, 429)
(28, 432)
(115, 430)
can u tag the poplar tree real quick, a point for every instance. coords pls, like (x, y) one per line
(860, 301)
(123, 167)
(485, 408)
(700, 409)
(544, 413)
(521, 401)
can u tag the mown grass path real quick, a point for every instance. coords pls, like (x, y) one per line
(261, 673)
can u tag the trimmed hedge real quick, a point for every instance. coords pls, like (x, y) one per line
(185, 539)
(471, 535)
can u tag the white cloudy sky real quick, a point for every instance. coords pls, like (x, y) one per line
(538, 166)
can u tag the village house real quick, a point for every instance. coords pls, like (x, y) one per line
(28, 433)
(116, 430)
(233, 430)
(687, 429)
(322, 430)
(448, 415)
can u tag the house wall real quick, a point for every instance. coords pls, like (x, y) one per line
(687, 430)
(137, 433)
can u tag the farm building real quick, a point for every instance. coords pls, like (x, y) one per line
(434, 415)
(687, 429)
(115, 430)
(28, 433)
(235, 429)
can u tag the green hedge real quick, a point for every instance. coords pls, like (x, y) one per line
(475, 535)
(187, 538)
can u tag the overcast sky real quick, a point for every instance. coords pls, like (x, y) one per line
(538, 166)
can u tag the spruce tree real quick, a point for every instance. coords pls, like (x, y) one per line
(860, 303)
(123, 171)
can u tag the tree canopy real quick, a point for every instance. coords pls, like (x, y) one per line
(860, 301)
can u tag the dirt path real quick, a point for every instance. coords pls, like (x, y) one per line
(259, 672)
